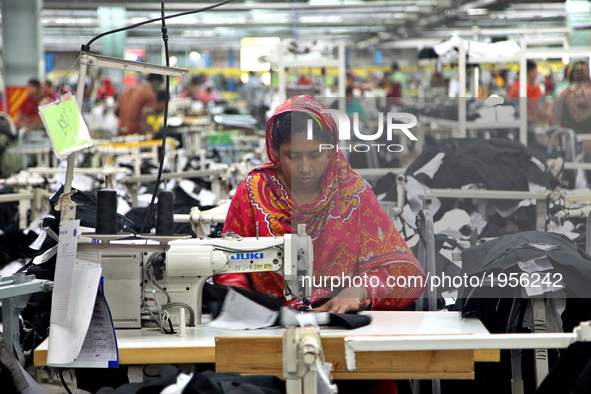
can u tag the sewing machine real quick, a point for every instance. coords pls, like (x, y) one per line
(146, 278)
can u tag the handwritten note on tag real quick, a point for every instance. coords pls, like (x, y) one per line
(65, 125)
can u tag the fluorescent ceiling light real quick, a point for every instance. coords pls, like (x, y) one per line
(320, 19)
(223, 21)
(477, 11)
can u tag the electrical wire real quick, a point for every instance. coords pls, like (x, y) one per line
(159, 311)
(164, 29)
(165, 121)
(145, 306)
(162, 18)
(156, 320)
(64, 382)
(149, 274)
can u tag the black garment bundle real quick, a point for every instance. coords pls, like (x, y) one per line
(85, 211)
(553, 254)
(496, 164)
(203, 383)
(572, 372)
(503, 255)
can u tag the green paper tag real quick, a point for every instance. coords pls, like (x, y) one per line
(65, 125)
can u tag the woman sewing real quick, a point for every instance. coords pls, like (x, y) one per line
(352, 236)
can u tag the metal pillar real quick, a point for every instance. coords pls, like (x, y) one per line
(22, 49)
(578, 14)
(113, 45)
(15, 291)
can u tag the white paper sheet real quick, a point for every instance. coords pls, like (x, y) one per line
(37, 243)
(100, 343)
(74, 294)
(45, 257)
(64, 270)
(241, 313)
(99, 349)
(544, 247)
(538, 264)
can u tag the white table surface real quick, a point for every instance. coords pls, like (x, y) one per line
(384, 323)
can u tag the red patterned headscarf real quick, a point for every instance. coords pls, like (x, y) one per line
(340, 185)
(351, 233)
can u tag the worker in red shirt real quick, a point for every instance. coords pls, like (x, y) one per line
(536, 105)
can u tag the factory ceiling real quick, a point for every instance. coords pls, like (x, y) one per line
(361, 23)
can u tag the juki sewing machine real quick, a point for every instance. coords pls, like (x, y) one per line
(145, 278)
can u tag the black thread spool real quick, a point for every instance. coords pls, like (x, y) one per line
(165, 216)
(106, 212)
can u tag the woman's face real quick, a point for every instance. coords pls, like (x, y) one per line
(302, 163)
(32, 90)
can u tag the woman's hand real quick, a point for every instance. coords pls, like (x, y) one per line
(349, 299)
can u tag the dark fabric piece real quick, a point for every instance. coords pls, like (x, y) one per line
(213, 298)
(207, 382)
(350, 321)
(428, 153)
(384, 185)
(168, 375)
(499, 315)
(183, 203)
(502, 309)
(214, 295)
(200, 383)
(37, 313)
(572, 372)
(6, 381)
(447, 109)
(8, 212)
(577, 310)
(15, 245)
(15, 377)
(85, 211)
(233, 383)
(428, 53)
(503, 254)
(93, 379)
(496, 164)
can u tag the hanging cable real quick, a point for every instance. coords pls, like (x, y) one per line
(165, 121)
(164, 29)
(60, 373)
(156, 20)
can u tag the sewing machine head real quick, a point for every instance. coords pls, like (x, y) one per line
(195, 261)
(175, 275)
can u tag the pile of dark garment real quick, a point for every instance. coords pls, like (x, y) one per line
(448, 109)
(556, 261)
(504, 305)
(533, 254)
(207, 382)
(14, 242)
(495, 164)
